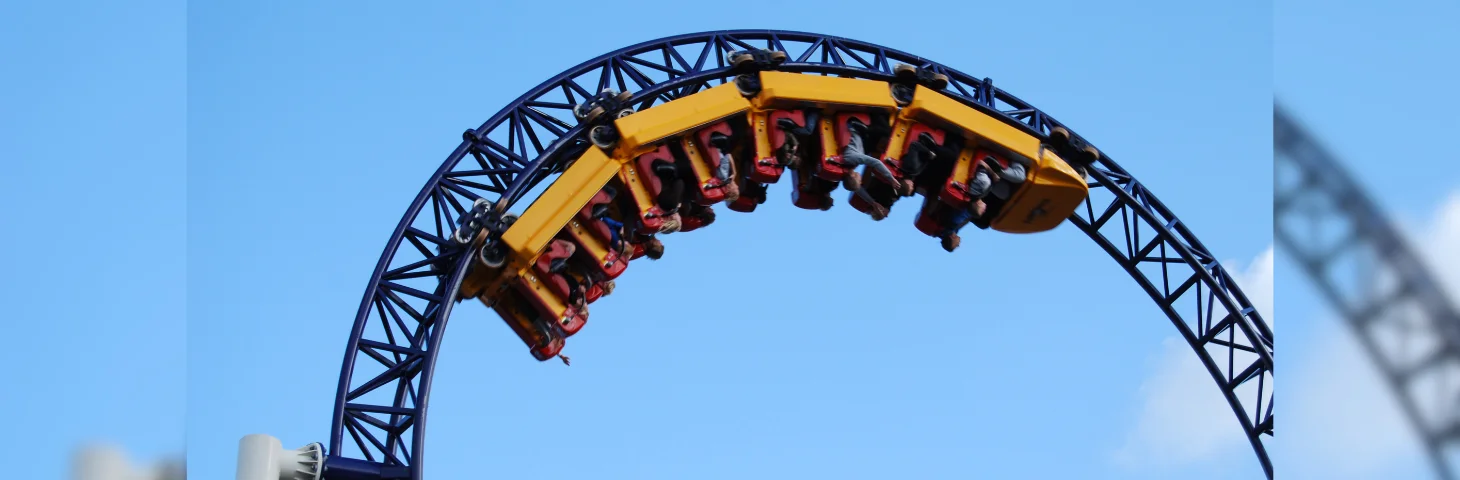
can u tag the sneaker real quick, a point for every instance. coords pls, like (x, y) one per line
(786, 124)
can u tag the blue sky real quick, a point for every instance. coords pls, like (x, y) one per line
(1364, 78)
(92, 140)
(311, 127)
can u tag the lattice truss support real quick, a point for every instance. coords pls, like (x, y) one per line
(379, 416)
(1362, 266)
(1192, 288)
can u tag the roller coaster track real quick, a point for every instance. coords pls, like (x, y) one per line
(1399, 312)
(381, 402)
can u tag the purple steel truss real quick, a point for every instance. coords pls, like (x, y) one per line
(400, 322)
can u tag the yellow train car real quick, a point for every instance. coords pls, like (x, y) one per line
(533, 300)
(785, 95)
(528, 324)
(647, 135)
(1052, 190)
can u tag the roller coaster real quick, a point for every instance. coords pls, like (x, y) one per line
(1400, 314)
(564, 252)
(642, 142)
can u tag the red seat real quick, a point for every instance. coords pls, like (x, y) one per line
(689, 224)
(549, 305)
(711, 190)
(767, 169)
(597, 250)
(557, 249)
(751, 195)
(645, 163)
(832, 167)
(639, 243)
(597, 228)
(595, 292)
(955, 189)
(523, 321)
(744, 204)
(881, 192)
(549, 291)
(933, 217)
(878, 187)
(811, 192)
(893, 159)
(645, 187)
(859, 203)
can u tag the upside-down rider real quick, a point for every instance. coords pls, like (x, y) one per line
(627, 240)
(983, 184)
(630, 232)
(617, 232)
(671, 192)
(789, 154)
(920, 154)
(577, 292)
(703, 214)
(726, 171)
(854, 152)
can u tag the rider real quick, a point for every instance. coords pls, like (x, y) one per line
(725, 172)
(704, 215)
(920, 154)
(616, 232)
(854, 152)
(671, 192)
(653, 248)
(983, 184)
(577, 292)
(788, 155)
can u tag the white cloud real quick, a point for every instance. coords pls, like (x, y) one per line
(1183, 417)
(1256, 282)
(1441, 244)
(1349, 426)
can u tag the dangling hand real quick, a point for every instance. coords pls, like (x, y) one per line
(565, 359)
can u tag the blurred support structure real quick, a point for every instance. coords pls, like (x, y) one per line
(1380, 286)
(105, 462)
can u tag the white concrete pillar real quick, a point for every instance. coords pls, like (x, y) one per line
(262, 457)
